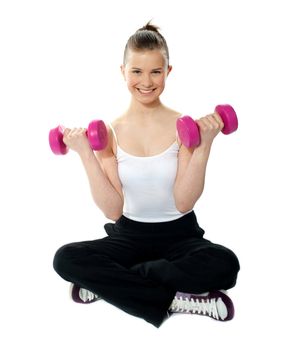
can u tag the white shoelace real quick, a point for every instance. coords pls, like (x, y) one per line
(199, 306)
(86, 295)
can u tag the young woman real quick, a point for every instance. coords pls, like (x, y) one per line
(154, 260)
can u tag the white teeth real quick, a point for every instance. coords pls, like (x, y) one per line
(145, 91)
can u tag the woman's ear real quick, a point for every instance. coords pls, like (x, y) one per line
(122, 67)
(169, 69)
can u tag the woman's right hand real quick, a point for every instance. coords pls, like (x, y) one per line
(76, 139)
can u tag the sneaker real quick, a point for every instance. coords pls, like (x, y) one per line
(81, 295)
(213, 304)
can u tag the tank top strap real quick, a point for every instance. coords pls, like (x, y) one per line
(114, 133)
(177, 139)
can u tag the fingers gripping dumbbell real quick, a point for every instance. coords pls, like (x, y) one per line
(97, 135)
(188, 129)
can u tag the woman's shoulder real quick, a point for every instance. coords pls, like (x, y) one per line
(119, 121)
(111, 127)
(172, 114)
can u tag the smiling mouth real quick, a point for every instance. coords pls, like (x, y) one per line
(146, 92)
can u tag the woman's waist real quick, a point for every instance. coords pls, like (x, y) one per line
(185, 225)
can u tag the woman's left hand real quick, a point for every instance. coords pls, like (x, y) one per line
(210, 126)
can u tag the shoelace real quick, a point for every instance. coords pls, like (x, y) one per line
(200, 306)
(86, 295)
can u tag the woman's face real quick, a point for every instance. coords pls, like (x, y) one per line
(145, 73)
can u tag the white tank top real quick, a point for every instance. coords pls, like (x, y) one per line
(148, 183)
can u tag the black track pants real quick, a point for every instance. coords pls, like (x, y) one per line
(139, 266)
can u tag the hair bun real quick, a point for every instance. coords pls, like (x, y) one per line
(150, 27)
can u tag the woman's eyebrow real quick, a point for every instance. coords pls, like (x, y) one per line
(151, 69)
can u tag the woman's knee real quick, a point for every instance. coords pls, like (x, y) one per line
(228, 260)
(220, 260)
(234, 262)
(64, 257)
(228, 267)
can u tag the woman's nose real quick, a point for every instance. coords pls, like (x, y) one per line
(147, 81)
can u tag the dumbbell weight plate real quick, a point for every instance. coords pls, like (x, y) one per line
(229, 118)
(97, 135)
(56, 140)
(188, 131)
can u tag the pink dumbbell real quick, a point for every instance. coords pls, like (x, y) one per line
(97, 135)
(188, 129)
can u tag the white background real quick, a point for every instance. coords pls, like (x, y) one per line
(60, 64)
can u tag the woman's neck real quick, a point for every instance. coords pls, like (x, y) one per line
(143, 112)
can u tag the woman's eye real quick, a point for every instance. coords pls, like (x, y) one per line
(136, 71)
(157, 72)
